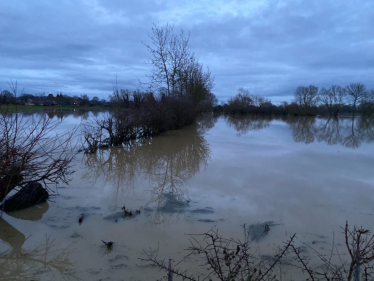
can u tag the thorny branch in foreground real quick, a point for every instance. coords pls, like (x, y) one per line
(230, 259)
(359, 243)
(227, 259)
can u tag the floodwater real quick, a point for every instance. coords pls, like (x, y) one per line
(299, 175)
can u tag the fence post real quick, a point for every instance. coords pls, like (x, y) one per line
(170, 269)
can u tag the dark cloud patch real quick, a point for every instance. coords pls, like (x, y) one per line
(269, 47)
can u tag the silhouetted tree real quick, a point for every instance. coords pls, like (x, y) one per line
(355, 92)
(7, 97)
(367, 103)
(306, 97)
(241, 103)
(85, 100)
(174, 66)
(332, 98)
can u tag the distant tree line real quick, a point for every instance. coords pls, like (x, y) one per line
(308, 100)
(42, 99)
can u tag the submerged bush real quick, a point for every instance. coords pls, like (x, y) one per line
(151, 116)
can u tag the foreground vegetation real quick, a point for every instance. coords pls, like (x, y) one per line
(31, 151)
(229, 259)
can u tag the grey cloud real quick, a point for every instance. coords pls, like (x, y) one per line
(79, 46)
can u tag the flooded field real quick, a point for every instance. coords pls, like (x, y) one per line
(297, 175)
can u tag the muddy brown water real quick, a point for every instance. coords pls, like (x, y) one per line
(299, 175)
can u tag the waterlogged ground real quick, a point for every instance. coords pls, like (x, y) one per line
(298, 175)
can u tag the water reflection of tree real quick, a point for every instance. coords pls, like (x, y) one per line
(349, 132)
(244, 124)
(353, 138)
(167, 161)
(19, 264)
(329, 131)
(207, 121)
(302, 129)
(62, 113)
(366, 127)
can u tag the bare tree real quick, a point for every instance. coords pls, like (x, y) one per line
(367, 103)
(175, 67)
(170, 53)
(355, 92)
(119, 97)
(306, 96)
(240, 103)
(332, 98)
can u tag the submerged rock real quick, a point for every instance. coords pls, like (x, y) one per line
(114, 216)
(29, 195)
(147, 210)
(118, 215)
(203, 211)
(259, 230)
(118, 266)
(119, 257)
(76, 235)
(172, 205)
(206, 220)
(87, 209)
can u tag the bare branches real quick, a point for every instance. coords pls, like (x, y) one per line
(175, 68)
(229, 259)
(360, 246)
(13, 85)
(332, 98)
(355, 91)
(306, 96)
(152, 257)
(169, 54)
(32, 151)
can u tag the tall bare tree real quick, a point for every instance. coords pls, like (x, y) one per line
(332, 98)
(367, 103)
(169, 54)
(174, 66)
(355, 92)
(306, 96)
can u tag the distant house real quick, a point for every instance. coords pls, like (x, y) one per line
(77, 101)
(29, 102)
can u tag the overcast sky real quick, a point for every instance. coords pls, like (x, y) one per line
(267, 46)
